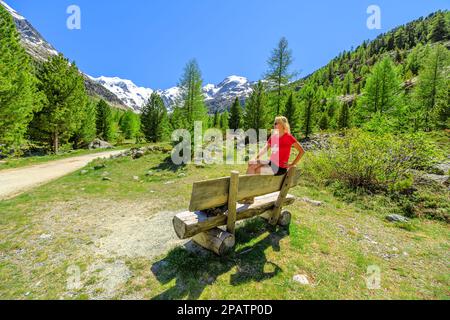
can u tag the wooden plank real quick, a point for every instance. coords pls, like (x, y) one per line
(214, 193)
(283, 193)
(232, 195)
(188, 224)
(216, 240)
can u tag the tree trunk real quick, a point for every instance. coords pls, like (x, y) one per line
(55, 142)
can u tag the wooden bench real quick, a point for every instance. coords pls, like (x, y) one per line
(271, 194)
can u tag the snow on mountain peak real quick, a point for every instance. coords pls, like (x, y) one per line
(133, 96)
(217, 97)
(12, 11)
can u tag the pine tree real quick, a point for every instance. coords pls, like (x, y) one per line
(324, 121)
(348, 83)
(344, 117)
(382, 87)
(18, 96)
(256, 116)
(216, 120)
(87, 130)
(278, 74)
(155, 123)
(432, 92)
(129, 124)
(309, 101)
(192, 100)
(104, 121)
(440, 29)
(224, 125)
(65, 100)
(292, 114)
(235, 120)
(414, 61)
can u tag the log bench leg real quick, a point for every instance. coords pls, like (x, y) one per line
(284, 220)
(216, 240)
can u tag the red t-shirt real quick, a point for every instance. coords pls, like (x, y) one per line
(281, 149)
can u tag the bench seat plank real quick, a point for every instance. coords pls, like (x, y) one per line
(188, 224)
(214, 193)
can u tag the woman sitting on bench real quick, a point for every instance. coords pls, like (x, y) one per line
(280, 143)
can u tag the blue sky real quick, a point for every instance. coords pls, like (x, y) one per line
(150, 41)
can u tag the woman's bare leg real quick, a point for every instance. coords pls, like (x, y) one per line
(257, 168)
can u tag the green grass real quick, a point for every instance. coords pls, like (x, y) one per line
(333, 244)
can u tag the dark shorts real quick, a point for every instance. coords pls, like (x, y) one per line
(277, 171)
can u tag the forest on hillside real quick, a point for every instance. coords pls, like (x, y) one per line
(397, 83)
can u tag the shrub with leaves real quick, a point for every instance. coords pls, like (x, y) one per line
(373, 162)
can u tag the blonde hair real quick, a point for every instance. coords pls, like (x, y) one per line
(285, 122)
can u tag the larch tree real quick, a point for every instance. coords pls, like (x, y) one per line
(278, 74)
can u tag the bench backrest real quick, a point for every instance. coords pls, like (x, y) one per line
(214, 193)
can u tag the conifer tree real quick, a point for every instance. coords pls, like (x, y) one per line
(432, 92)
(256, 116)
(309, 102)
(224, 125)
(216, 120)
(192, 100)
(129, 124)
(278, 74)
(348, 83)
(64, 104)
(87, 130)
(292, 114)
(382, 87)
(235, 120)
(104, 121)
(440, 28)
(344, 116)
(324, 122)
(18, 96)
(154, 119)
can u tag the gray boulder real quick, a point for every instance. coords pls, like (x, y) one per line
(397, 218)
(99, 144)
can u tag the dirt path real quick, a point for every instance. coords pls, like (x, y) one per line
(15, 181)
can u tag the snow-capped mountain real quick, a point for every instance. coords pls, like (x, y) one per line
(221, 97)
(217, 97)
(129, 93)
(123, 93)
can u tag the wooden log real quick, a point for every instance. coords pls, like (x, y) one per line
(214, 193)
(188, 224)
(283, 221)
(283, 193)
(216, 240)
(232, 195)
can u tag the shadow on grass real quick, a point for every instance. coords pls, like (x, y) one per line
(168, 165)
(194, 268)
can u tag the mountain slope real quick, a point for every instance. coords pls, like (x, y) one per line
(40, 50)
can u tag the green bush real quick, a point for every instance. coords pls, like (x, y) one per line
(371, 161)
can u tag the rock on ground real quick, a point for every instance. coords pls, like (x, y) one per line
(397, 218)
(99, 144)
